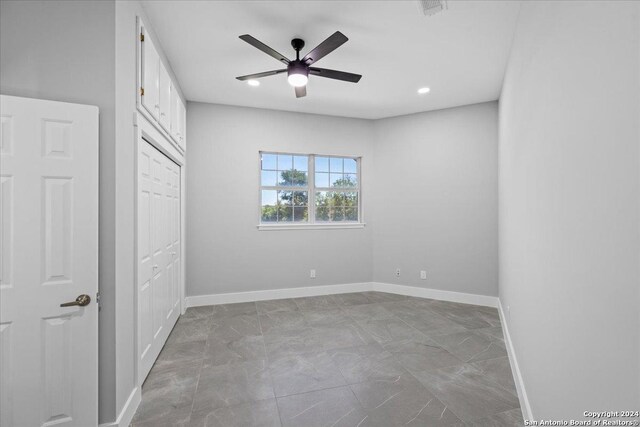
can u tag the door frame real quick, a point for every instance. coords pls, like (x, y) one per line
(145, 131)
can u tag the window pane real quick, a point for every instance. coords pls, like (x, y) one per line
(350, 199)
(351, 214)
(269, 178)
(322, 164)
(300, 198)
(336, 180)
(321, 198)
(337, 214)
(285, 198)
(322, 179)
(350, 180)
(336, 164)
(269, 161)
(300, 214)
(350, 166)
(285, 213)
(293, 178)
(285, 162)
(269, 213)
(322, 213)
(301, 163)
(269, 197)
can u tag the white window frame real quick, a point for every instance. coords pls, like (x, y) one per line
(311, 224)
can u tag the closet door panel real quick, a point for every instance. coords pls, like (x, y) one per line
(164, 98)
(150, 75)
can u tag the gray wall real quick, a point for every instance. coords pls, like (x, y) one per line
(226, 251)
(569, 205)
(436, 199)
(433, 204)
(65, 51)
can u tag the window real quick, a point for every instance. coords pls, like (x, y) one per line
(300, 190)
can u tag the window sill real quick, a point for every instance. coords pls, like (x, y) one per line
(274, 227)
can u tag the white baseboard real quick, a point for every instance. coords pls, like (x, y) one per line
(414, 291)
(515, 368)
(128, 411)
(310, 291)
(250, 296)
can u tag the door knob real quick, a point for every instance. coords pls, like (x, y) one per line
(82, 300)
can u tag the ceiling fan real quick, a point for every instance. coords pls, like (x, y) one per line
(298, 70)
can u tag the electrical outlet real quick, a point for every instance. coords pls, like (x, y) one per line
(423, 274)
(398, 272)
(312, 274)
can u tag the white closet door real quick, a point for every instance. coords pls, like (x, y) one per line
(158, 252)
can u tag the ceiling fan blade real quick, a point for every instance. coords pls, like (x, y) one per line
(263, 47)
(333, 42)
(258, 75)
(333, 74)
(301, 91)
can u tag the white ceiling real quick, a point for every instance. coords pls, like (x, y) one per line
(460, 53)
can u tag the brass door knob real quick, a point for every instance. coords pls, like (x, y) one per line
(82, 300)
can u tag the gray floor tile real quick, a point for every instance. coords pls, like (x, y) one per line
(272, 306)
(351, 299)
(172, 400)
(189, 330)
(499, 371)
(367, 312)
(326, 317)
(242, 349)
(234, 327)
(230, 310)
(182, 352)
(336, 407)
(467, 392)
(430, 323)
(466, 315)
(339, 335)
(404, 401)
(392, 329)
(198, 312)
(276, 321)
(231, 385)
(224, 365)
(263, 413)
(305, 372)
(366, 363)
(316, 303)
(422, 354)
(172, 374)
(291, 342)
(471, 346)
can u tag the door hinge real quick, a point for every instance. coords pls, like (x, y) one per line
(98, 301)
(141, 91)
(141, 37)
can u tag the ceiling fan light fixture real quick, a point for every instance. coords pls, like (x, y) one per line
(297, 80)
(253, 82)
(298, 74)
(424, 90)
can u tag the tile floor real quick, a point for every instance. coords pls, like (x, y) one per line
(361, 359)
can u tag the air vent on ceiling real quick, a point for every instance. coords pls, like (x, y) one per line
(431, 7)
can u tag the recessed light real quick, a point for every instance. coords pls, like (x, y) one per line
(424, 90)
(253, 83)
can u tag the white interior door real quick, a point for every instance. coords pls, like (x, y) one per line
(49, 256)
(159, 247)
